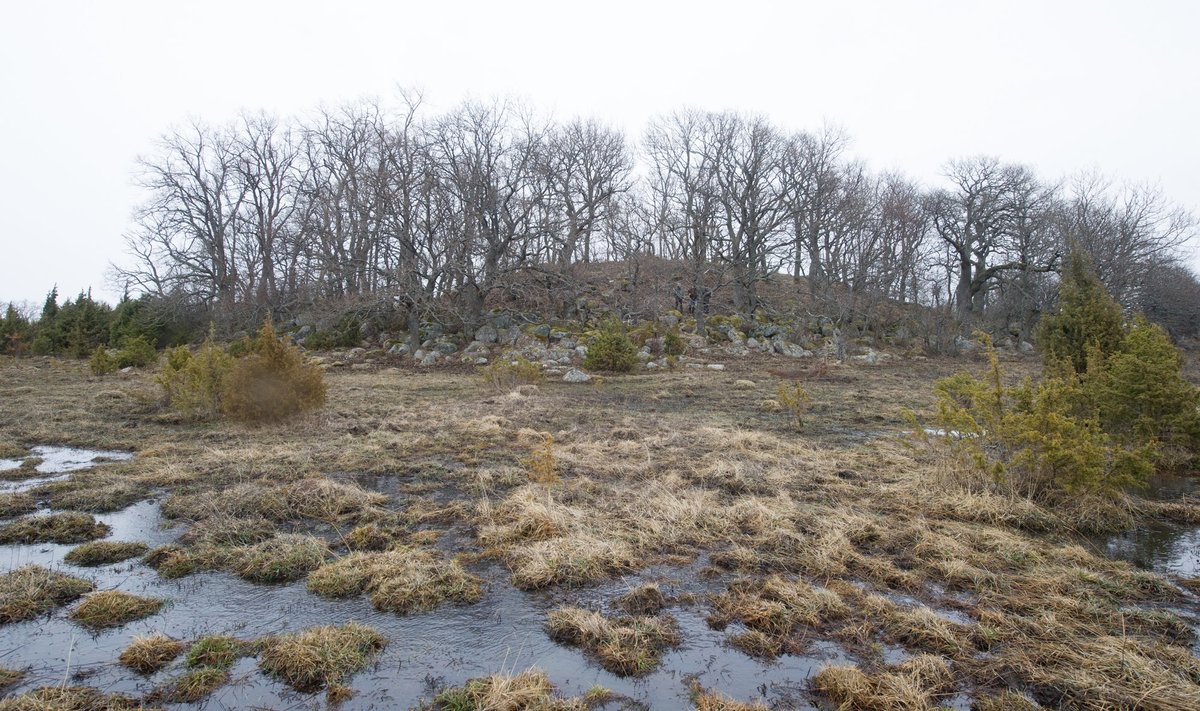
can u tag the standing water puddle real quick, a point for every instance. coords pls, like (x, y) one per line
(503, 632)
(1159, 546)
(56, 463)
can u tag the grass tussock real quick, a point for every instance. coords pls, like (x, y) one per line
(320, 657)
(318, 498)
(9, 677)
(32, 590)
(775, 609)
(282, 559)
(574, 560)
(11, 450)
(113, 608)
(149, 653)
(192, 686)
(915, 685)
(645, 599)
(104, 498)
(104, 552)
(16, 504)
(706, 700)
(403, 580)
(230, 531)
(71, 698)
(172, 561)
(530, 690)
(628, 646)
(66, 527)
(218, 651)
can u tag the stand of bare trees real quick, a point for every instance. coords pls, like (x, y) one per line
(270, 214)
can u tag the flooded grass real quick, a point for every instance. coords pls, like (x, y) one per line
(65, 527)
(694, 552)
(113, 608)
(32, 590)
(96, 553)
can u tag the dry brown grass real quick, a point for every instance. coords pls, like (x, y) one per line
(320, 657)
(628, 646)
(104, 553)
(16, 504)
(915, 685)
(281, 559)
(113, 608)
(71, 698)
(192, 686)
(66, 527)
(9, 677)
(147, 654)
(530, 690)
(656, 468)
(403, 580)
(32, 590)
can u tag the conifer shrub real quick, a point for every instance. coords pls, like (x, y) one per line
(193, 384)
(136, 352)
(611, 349)
(101, 363)
(272, 383)
(504, 374)
(1088, 319)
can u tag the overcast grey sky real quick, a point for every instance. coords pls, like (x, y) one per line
(1061, 85)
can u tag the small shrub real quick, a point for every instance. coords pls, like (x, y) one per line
(673, 343)
(611, 349)
(272, 383)
(136, 352)
(505, 374)
(101, 363)
(1088, 318)
(795, 399)
(193, 384)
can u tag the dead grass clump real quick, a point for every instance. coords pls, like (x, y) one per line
(774, 609)
(624, 645)
(643, 600)
(320, 657)
(32, 590)
(281, 559)
(530, 690)
(97, 499)
(402, 581)
(104, 553)
(706, 700)
(919, 627)
(71, 698)
(328, 500)
(217, 650)
(172, 561)
(574, 560)
(192, 686)
(113, 608)
(9, 677)
(995, 510)
(914, 685)
(241, 500)
(225, 530)
(16, 504)
(527, 515)
(373, 537)
(148, 654)
(1007, 701)
(11, 450)
(66, 527)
